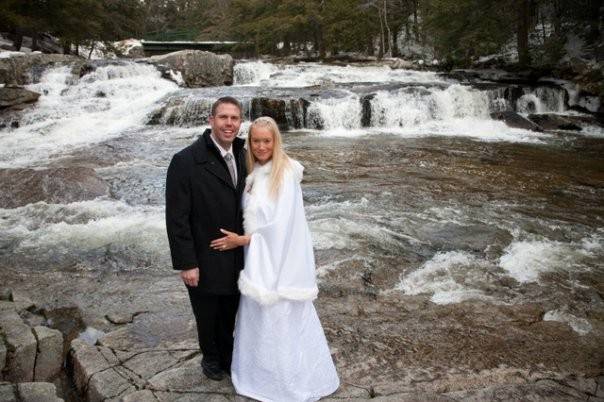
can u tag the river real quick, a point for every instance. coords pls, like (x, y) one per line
(428, 198)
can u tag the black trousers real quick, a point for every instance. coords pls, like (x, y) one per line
(215, 318)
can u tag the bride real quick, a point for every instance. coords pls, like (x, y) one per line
(280, 351)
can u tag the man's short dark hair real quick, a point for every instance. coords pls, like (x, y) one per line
(226, 99)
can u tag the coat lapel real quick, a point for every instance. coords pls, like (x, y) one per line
(206, 153)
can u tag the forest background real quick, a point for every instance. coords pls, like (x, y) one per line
(457, 32)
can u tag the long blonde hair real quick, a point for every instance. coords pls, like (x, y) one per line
(279, 158)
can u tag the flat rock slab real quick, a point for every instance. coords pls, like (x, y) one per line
(50, 353)
(21, 345)
(38, 392)
(20, 187)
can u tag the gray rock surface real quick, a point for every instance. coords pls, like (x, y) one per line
(21, 345)
(38, 392)
(28, 68)
(8, 392)
(12, 96)
(49, 359)
(120, 318)
(20, 187)
(198, 68)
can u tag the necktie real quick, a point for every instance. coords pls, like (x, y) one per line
(229, 161)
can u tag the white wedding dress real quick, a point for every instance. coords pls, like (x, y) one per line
(280, 352)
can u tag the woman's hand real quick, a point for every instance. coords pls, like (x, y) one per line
(230, 241)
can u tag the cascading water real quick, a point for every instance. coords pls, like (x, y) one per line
(418, 140)
(74, 113)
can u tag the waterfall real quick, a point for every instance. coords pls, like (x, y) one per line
(76, 112)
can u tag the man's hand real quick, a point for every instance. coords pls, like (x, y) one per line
(190, 277)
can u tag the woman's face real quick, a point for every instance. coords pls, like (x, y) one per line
(262, 144)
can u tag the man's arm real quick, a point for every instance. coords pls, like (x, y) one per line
(178, 211)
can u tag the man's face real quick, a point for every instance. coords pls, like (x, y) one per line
(225, 123)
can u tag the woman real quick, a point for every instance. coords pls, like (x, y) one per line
(280, 351)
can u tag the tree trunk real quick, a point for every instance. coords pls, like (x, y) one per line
(415, 21)
(381, 48)
(524, 18)
(389, 33)
(91, 50)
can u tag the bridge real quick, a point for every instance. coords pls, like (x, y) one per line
(154, 47)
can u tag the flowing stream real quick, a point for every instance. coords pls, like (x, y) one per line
(410, 186)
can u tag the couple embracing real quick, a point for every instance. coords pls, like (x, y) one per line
(239, 237)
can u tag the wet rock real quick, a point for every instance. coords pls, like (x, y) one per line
(20, 187)
(38, 392)
(28, 68)
(366, 110)
(553, 122)
(274, 108)
(21, 346)
(11, 96)
(120, 318)
(198, 68)
(451, 236)
(6, 294)
(49, 359)
(66, 319)
(514, 120)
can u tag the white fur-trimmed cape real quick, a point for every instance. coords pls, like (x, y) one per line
(279, 261)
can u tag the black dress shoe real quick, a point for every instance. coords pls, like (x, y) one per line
(212, 371)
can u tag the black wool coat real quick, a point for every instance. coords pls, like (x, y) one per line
(200, 200)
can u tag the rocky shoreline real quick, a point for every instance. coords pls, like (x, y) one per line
(386, 347)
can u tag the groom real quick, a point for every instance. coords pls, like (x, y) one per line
(203, 192)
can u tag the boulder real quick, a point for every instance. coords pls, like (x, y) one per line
(21, 345)
(514, 120)
(553, 122)
(38, 392)
(14, 96)
(366, 107)
(275, 108)
(198, 68)
(28, 69)
(49, 359)
(20, 187)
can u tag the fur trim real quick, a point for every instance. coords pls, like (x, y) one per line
(262, 296)
(266, 297)
(299, 293)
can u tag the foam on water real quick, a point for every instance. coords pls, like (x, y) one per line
(445, 276)
(253, 72)
(311, 74)
(525, 260)
(56, 231)
(579, 325)
(103, 104)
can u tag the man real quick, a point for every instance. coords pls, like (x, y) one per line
(203, 192)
